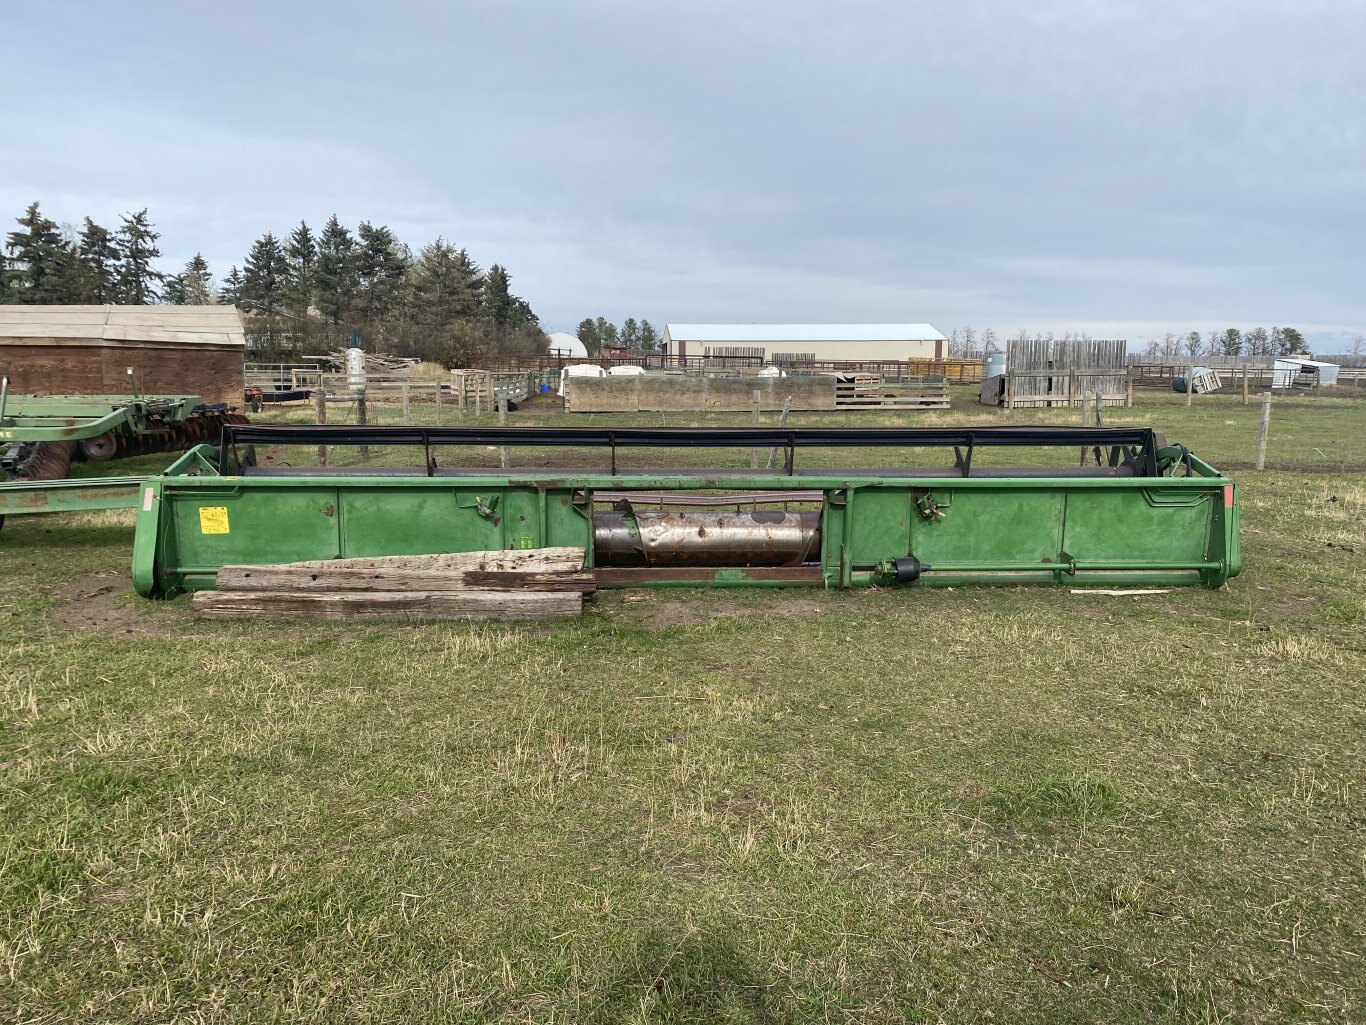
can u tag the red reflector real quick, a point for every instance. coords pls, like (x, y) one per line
(1228, 496)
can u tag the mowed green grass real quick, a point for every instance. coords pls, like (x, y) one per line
(1013, 805)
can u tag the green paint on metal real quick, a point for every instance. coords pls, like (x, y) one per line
(1170, 530)
(76, 495)
(34, 418)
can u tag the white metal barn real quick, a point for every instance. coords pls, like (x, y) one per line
(798, 343)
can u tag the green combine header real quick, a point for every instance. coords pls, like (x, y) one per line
(1135, 512)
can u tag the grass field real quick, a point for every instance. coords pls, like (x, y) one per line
(1011, 805)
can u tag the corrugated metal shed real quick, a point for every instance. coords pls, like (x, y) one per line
(803, 332)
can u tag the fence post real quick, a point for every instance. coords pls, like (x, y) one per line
(1085, 422)
(1100, 421)
(756, 398)
(320, 416)
(1262, 430)
(438, 403)
(1129, 388)
(407, 415)
(782, 422)
(1010, 389)
(502, 422)
(362, 419)
(1190, 381)
(1072, 386)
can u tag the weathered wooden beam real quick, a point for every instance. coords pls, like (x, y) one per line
(275, 605)
(530, 581)
(385, 578)
(569, 560)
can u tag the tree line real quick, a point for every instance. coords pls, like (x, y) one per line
(299, 292)
(1229, 342)
(639, 337)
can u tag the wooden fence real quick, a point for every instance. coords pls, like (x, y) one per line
(1049, 373)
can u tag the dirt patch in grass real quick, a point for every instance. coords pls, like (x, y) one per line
(661, 613)
(96, 603)
(1292, 606)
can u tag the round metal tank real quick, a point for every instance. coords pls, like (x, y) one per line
(759, 538)
(355, 370)
(996, 365)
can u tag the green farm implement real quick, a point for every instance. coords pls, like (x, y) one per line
(52, 430)
(1135, 512)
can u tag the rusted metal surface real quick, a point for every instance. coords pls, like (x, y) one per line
(752, 538)
(645, 498)
(641, 576)
(49, 460)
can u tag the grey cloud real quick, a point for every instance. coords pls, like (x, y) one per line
(1037, 164)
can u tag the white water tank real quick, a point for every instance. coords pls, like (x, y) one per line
(355, 371)
(996, 365)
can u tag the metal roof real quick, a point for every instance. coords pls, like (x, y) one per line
(802, 332)
(214, 325)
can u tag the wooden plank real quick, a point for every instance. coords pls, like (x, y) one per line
(569, 560)
(276, 605)
(532, 581)
(331, 578)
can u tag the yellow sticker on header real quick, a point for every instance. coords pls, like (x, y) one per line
(213, 519)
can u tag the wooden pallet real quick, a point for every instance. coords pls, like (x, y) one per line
(869, 391)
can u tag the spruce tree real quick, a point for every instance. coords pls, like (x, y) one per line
(173, 290)
(630, 333)
(231, 292)
(588, 334)
(99, 264)
(498, 301)
(263, 292)
(138, 282)
(649, 338)
(43, 265)
(199, 284)
(381, 266)
(336, 273)
(265, 275)
(301, 271)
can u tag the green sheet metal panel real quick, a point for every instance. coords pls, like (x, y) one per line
(1140, 525)
(254, 525)
(418, 521)
(880, 527)
(987, 524)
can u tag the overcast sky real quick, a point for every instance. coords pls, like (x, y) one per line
(1124, 168)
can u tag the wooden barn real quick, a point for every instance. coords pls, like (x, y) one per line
(87, 350)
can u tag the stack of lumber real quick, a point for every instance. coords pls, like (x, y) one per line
(375, 362)
(539, 583)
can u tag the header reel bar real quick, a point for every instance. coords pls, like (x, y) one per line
(1135, 448)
